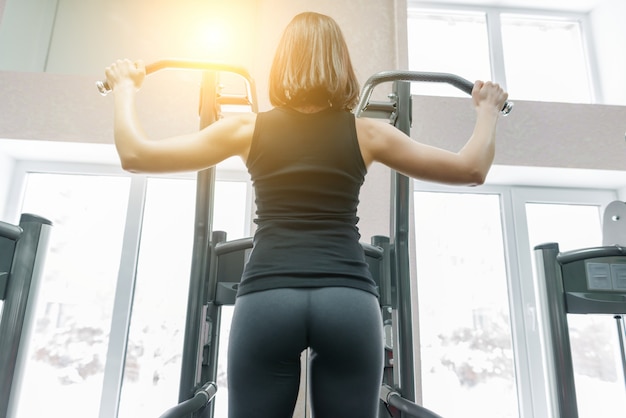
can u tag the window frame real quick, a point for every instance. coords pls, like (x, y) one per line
(494, 33)
(529, 353)
(527, 347)
(123, 300)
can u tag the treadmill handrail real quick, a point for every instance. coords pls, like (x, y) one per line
(592, 252)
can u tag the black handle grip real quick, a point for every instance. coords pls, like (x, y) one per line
(430, 77)
(104, 88)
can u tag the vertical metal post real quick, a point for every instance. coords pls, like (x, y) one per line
(622, 345)
(554, 327)
(213, 315)
(21, 291)
(205, 188)
(9, 235)
(403, 355)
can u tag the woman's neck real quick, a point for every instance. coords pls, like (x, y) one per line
(310, 108)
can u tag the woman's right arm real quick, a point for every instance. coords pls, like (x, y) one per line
(382, 142)
(191, 152)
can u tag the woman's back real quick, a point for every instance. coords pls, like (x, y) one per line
(307, 172)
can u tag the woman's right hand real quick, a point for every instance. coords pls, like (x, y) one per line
(125, 73)
(488, 94)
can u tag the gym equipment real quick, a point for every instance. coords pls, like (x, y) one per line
(398, 391)
(196, 388)
(9, 234)
(22, 254)
(202, 397)
(614, 224)
(583, 281)
(430, 77)
(248, 99)
(199, 364)
(217, 264)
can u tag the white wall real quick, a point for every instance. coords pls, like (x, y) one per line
(34, 34)
(6, 169)
(607, 21)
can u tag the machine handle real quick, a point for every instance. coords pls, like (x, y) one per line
(392, 398)
(104, 88)
(386, 76)
(202, 397)
(10, 231)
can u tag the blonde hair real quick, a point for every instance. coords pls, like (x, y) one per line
(312, 65)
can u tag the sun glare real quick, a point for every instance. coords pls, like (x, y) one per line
(213, 39)
(218, 37)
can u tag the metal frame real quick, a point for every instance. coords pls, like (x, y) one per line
(398, 391)
(564, 287)
(209, 291)
(199, 359)
(199, 364)
(27, 259)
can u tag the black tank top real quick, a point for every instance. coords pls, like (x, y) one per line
(307, 171)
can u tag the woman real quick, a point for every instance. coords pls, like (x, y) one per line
(306, 284)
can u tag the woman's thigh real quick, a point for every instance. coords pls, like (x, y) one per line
(346, 365)
(267, 336)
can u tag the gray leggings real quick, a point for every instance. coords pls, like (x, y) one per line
(270, 329)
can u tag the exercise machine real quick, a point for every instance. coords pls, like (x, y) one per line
(398, 390)
(199, 362)
(218, 264)
(582, 281)
(22, 254)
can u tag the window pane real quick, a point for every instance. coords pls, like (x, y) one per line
(594, 340)
(545, 59)
(67, 350)
(465, 329)
(454, 43)
(154, 353)
(555, 223)
(152, 367)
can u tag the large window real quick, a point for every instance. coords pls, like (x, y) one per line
(115, 284)
(536, 55)
(545, 59)
(68, 347)
(598, 369)
(456, 43)
(480, 342)
(465, 326)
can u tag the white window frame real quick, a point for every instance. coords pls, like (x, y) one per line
(494, 33)
(125, 283)
(529, 353)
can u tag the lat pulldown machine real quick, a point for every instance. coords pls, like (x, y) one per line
(217, 264)
(398, 389)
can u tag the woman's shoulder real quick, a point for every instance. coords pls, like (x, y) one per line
(368, 128)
